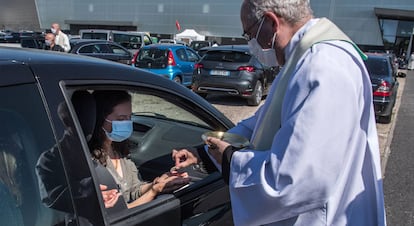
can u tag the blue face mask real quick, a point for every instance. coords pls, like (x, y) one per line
(121, 130)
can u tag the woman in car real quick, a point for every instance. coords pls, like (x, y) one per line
(109, 146)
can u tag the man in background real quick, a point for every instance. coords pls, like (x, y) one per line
(50, 43)
(60, 37)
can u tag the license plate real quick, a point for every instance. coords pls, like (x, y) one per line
(220, 72)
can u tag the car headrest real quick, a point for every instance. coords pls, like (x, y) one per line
(85, 107)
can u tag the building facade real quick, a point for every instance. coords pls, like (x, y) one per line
(370, 23)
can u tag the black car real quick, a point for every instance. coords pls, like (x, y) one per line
(383, 77)
(33, 42)
(47, 113)
(101, 49)
(232, 70)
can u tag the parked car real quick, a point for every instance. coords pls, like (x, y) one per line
(384, 81)
(33, 42)
(233, 70)
(47, 114)
(101, 49)
(173, 61)
(132, 40)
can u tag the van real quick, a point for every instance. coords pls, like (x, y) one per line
(132, 40)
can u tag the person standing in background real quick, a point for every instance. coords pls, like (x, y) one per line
(50, 43)
(60, 37)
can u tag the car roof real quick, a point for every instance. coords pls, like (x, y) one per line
(164, 46)
(44, 63)
(77, 43)
(87, 41)
(238, 48)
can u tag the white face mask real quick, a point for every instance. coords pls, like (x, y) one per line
(48, 43)
(266, 56)
(53, 30)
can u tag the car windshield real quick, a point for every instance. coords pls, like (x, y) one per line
(229, 56)
(199, 45)
(130, 41)
(152, 58)
(377, 67)
(100, 36)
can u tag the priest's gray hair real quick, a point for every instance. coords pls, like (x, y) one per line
(293, 11)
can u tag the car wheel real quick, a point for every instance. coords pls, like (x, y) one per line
(177, 79)
(256, 98)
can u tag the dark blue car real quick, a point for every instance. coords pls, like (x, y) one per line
(383, 77)
(172, 61)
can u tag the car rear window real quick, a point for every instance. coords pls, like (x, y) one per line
(152, 58)
(229, 56)
(100, 36)
(377, 67)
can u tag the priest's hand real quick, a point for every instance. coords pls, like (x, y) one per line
(216, 148)
(184, 158)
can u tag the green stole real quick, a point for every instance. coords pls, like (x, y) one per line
(323, 30)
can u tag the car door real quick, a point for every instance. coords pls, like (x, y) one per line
(164, 120)
(35, 189)
(119, 54)
(190, 60)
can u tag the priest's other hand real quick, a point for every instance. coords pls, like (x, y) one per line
(184, 158)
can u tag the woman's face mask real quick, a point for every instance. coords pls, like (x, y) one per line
(266, 56)
(121, 130)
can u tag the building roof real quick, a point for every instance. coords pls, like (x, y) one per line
(396, 14)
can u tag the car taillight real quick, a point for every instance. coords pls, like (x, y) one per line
(171, 60)
(198, 66)
(134, 58)
(246, 68)
(384, 90)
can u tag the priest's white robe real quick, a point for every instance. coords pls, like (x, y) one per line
(323, 167)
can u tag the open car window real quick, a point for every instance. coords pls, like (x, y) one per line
(163, 122)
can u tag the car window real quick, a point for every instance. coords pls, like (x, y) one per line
(229, 56)
(25, 139)
(152, 58)
(192, 56)
(91, 48)
(147, 40)
(116, 50)
(181, 54)
(162, 122)
(377, 67)
(198, 45)
(94, 35)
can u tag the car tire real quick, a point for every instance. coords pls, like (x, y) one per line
(257, 95)
(177, 79)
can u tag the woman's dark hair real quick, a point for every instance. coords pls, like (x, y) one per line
(106, 100)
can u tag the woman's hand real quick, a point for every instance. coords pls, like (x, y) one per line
(110, 197)
(169, 182)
